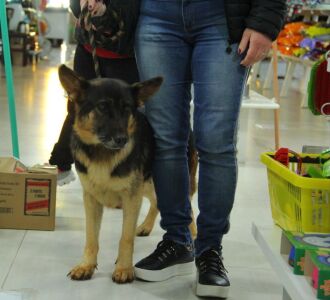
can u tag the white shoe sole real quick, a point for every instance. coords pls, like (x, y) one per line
(67, 179)
(203, 290)
(161, 275)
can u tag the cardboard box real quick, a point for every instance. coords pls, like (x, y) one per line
(27, 196)
(317, 269)
(301, 243)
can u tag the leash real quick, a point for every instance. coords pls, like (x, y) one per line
(86, 22)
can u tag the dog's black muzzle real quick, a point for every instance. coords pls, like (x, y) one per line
(115, 143)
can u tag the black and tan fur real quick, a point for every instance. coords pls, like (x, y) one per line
(112, 145)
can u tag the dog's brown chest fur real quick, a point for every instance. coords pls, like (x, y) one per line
(98, 180)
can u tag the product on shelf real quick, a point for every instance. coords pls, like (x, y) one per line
(295, 245)
(319, 88)
(317, 268)
(309, 41)
(295, 7)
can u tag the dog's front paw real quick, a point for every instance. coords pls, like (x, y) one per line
(123, 275)
(82, 272)
(143, 230)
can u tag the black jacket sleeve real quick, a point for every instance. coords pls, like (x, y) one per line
(75, 8)
(267, 16)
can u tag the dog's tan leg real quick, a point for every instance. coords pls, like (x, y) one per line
(93, 211)
(193, 163)
(192, 226)
(148, 224)
(124, 271)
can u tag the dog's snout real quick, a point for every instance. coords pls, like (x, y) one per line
(120, 140)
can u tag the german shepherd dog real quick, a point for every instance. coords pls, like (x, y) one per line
(112, 145)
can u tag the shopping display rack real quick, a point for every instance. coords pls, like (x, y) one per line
(9, 78)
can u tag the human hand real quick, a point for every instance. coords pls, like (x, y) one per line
(258, 46)
(83, 3)
(96, 7)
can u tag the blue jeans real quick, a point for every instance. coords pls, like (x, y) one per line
(185, 42)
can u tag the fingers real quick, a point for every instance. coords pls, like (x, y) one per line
(250, 57)
(262, 55)
(83, 3)
(254, 55)
(91, 4)
(244, 42)
(259, 46)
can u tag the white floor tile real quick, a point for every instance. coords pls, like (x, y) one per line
(10, 295)
(10, 242)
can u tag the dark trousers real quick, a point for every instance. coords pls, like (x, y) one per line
(124, 69)
(185, 42)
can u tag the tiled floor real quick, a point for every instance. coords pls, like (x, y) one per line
(34, 264)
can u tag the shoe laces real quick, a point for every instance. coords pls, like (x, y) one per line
(164, 250)
(211, 262)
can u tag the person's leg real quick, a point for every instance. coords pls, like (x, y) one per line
(61, 153)
(83, 63)
(162, 50)
(124, 69)
(218, 80)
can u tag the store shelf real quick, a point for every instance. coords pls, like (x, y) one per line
(321, 7)
(296, 59)
(258, 101)
(295, 287)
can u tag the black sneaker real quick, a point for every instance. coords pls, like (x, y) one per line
(212, 280)
(168, 260)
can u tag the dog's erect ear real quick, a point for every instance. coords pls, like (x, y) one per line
(71, 82)
(142, 91)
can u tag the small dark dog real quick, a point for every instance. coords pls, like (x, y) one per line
(112, 146)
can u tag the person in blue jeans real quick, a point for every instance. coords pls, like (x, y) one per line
(207, 44)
